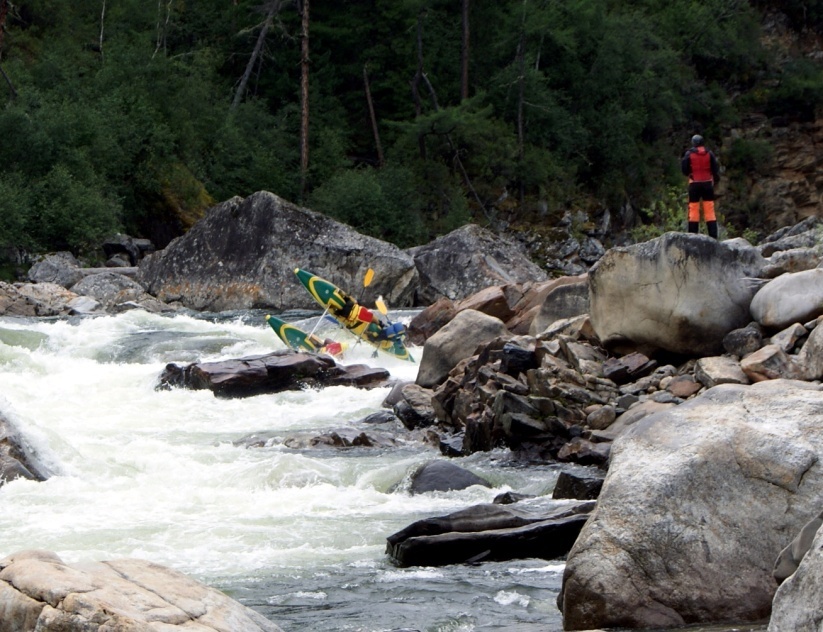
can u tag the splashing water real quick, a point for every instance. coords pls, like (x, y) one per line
(298, 535)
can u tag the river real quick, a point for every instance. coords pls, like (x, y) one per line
(298, 535)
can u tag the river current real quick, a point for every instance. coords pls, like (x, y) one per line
(298, 535)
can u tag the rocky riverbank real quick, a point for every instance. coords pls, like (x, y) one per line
(686, 370)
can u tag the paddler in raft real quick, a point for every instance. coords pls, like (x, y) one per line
(355, 314)
(331, 347)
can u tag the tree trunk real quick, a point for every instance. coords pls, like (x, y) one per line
(102, 24)
(521, 97)
(415, 84)
(373, 118)
(456, 157)
(419, 76)
(464, 79)
(8, 81)
(304, 98)
(274, 7)
(162, 31)
(4, 10)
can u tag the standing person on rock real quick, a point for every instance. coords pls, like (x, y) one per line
(701, 167)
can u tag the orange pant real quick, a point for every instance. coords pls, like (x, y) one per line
(708, 211)
(701, 191)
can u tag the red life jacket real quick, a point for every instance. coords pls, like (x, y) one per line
(701, 163)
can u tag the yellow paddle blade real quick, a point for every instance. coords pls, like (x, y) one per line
(368, 278)
(381, 305)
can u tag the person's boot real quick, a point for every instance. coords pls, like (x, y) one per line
(694, 226)
(712, 226)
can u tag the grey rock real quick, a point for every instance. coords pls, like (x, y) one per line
(697, 504)
(61, 268)
(414, 408)
(601, 418)
(741, 342)
(680, 292)
(769, 363)
(802, 235)
(468, 260)
(809, 224)
(796, 605)
(591, 250)
(38, 299)
(564, 301)
(794, 260)
(625, 421)
(579, 484)
(712, 371)
(40, 591)
(454, 342)
(443, 476)
(788, 338)
(17, 457)
(125, 248)
(243, 253)
(272, 373)
(84, 305)
(789, 299)
(790, 557)
(808, 363)
(110, 289)
(489, 532)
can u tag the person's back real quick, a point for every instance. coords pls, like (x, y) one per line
(701, 167)
(700, 160)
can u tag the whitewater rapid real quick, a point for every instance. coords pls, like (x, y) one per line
(163, 475)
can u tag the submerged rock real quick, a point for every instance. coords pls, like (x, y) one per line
(281, 370)
(16, 459)
(442, 476)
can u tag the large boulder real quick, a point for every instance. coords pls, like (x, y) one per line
(456, 341)
(468, 260)
(680, 292)
(698, 503)
(243, 255)
(38, 591)
(61, 268)
(789, 299)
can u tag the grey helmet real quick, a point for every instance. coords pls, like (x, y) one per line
(697, 140)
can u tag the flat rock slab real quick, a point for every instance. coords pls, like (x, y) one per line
(490, 532)
(39, 591)
(283, 370)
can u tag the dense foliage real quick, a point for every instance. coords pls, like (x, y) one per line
(136, 116)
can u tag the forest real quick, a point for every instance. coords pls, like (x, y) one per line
(403, 118)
